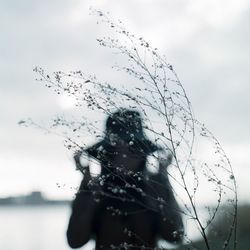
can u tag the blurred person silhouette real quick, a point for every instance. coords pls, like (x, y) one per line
(126, 206)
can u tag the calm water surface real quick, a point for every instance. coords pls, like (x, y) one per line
(34, 227)
(40, 228)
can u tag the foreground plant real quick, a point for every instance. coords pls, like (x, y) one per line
(201, 172)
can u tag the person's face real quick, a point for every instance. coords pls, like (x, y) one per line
(125, 159)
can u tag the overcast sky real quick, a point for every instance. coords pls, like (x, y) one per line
(206, 41)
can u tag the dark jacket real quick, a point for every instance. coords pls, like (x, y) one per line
(125, 212)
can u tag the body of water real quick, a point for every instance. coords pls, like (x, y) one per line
(34, 227)
(42, 228)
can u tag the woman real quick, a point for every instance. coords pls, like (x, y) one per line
(125, 207)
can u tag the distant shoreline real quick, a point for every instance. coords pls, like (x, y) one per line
(52, 203)
(35, 198)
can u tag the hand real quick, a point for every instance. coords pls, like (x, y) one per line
(165, 159)
(79, 166)
(77, 156)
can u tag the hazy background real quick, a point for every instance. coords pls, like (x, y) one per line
(206, 41)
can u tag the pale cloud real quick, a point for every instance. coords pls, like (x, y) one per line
(217, 13)
(206, 41)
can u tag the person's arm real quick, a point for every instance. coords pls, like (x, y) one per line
(169, 217)
(169, 222)
(81, 220)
